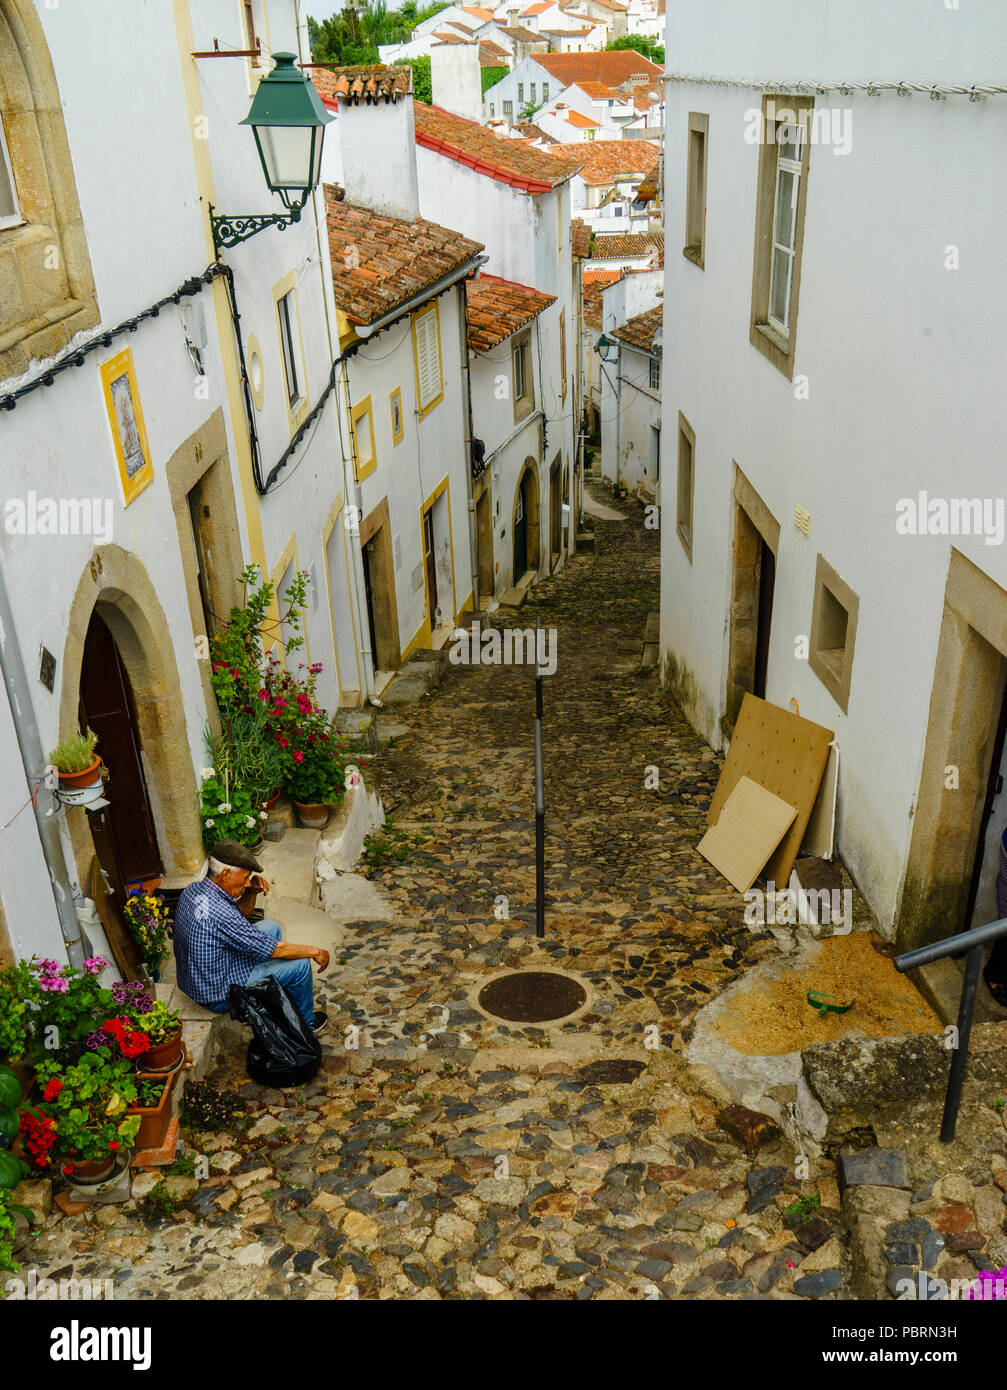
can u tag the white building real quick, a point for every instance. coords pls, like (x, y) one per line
(631, 401)
(504, 350)
(516, 201)
(115, 299)
(399, 290)
(604, 190)
(541, 77)
(838, 440)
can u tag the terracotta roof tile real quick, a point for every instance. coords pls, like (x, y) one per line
(393, 259)
(521, 34)
(370, 83)
(604, 161)
(639, 332)
(627, 246)
(532, 132)
(580, 237)
(509, 161)
(497, 308)
(595, 281)
(598, 91)
(492, 49)
(610, 67)
(539, 8)
(611, 5)
(582, 122)
(484, 16)
(445, 37)
(567, 33)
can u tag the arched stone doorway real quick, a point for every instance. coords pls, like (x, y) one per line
(116, 613)
(525, 522)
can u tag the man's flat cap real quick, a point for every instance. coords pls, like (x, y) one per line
(236, 856)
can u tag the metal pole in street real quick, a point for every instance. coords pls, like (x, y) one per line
(539, 800)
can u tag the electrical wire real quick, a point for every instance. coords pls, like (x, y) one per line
(936, 91)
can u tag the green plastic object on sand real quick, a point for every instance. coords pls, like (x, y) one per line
(828, 1003)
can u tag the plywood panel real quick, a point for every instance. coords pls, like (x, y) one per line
(786, 755)
(820, 834)
(751, 825)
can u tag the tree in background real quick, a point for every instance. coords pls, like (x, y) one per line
(353, 37)
(640, 43)
(527, 111)
(422, 84)
(492, 75)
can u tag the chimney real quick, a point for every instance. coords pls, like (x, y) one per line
(370, 148)
(456, 79)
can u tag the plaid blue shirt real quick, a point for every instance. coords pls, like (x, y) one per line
(215, 946)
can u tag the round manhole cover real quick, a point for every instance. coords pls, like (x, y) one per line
(532, 996)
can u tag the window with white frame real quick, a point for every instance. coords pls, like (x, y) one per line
(10, 208)
(508, 110)
(531, 89)
(520, 91)
(286, 307)
(545, 91)
(655, 374)
(789, 150)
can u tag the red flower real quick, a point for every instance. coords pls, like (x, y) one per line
(113, 1144)
(68, 1168)
(52, 1089)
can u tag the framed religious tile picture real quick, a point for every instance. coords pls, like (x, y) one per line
(395, 405)
(125, 418)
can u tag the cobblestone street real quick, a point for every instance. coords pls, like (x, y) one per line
(450, 1155)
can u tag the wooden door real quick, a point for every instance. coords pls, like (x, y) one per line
(521, 532)
(430, 561)
(123, 831)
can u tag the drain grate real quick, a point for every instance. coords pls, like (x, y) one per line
(615, 1073)
(531, 996)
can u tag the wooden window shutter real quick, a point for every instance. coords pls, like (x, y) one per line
(428, 366)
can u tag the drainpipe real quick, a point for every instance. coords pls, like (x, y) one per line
(34, 761)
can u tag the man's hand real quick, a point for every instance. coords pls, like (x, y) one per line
(260, 884)
(321, 959)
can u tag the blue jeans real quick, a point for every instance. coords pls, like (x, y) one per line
(293, 975)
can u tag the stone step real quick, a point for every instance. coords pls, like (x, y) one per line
(652, 629)
(289, 865)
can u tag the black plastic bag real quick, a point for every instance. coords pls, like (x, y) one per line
(283, 1051)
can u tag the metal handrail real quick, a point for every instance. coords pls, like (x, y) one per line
(971, 942)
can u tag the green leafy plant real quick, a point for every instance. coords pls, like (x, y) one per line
(801, 1209)
(88, 1104)
(160, 1202)
(160, 1024)
(150, 1092)
(317, 776)
(247, 752)
(184, 1165)
(8, 1209)
(206, 1106)
(227, 811)
(76, 753)
(236, 650)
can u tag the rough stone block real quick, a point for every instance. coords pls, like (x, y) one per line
(874, 1168)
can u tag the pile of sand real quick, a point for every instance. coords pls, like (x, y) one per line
(773, 1016)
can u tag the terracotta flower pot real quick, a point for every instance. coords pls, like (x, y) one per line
(80, 788)
(155, 1119)
(268, 805)
(84, 1174)
(312, 815)
(163, 1057)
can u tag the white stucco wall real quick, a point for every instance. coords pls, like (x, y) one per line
(902, 359)
(455, 79)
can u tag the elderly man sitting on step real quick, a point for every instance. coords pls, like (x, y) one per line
(216, 946)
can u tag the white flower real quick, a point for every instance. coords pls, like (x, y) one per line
(206, 773)
(223, 808)
(263, 815)
(250, 822)
(209, 823)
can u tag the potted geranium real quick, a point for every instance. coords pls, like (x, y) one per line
(83, 1111)
(147, 918)
(79, 768)
(314, 784)
(162, 1027)
(47, 1008)
(228, 811)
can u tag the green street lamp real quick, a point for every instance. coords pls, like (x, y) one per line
(288, 122)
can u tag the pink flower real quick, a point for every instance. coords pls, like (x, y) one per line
(54, 984)
(94, 964)
(298, 756)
